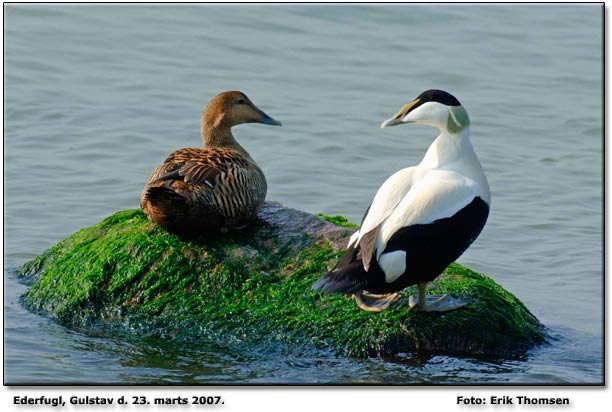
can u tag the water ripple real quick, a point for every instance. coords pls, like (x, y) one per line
(94, 100)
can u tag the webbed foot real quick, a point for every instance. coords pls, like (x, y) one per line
(435, 303)
(374, 303)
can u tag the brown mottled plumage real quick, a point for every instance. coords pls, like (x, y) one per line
(212, 189)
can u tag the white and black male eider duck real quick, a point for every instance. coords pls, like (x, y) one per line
(421, 219)
(214, 189)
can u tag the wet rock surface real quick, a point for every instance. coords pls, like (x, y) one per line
(126, 275)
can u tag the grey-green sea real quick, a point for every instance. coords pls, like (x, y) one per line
(96, 95)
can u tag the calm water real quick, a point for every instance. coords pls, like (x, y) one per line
(95, 96)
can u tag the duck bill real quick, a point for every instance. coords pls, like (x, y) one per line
(265, 119)
(399, 117)
(390, 122)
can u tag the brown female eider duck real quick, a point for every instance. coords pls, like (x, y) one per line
(421, 219)
(214, 189)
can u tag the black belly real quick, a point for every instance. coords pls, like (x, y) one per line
(431, 247)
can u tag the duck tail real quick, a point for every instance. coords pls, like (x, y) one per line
(163, 197)
(163, 205)
(348, 276)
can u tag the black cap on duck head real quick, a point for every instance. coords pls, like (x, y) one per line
(435, 108)
(439, 96)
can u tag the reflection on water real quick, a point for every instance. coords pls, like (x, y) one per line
(96, 96)
(69, 357)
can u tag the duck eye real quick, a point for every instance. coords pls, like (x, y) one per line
(240, 101)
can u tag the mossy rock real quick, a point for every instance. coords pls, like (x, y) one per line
(254, 286)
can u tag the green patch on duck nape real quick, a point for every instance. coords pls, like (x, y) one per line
(127, 275)
(458, 119)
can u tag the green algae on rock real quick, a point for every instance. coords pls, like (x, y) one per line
(254, 286)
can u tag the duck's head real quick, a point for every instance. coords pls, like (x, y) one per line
(229, 109)
(435, 108)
